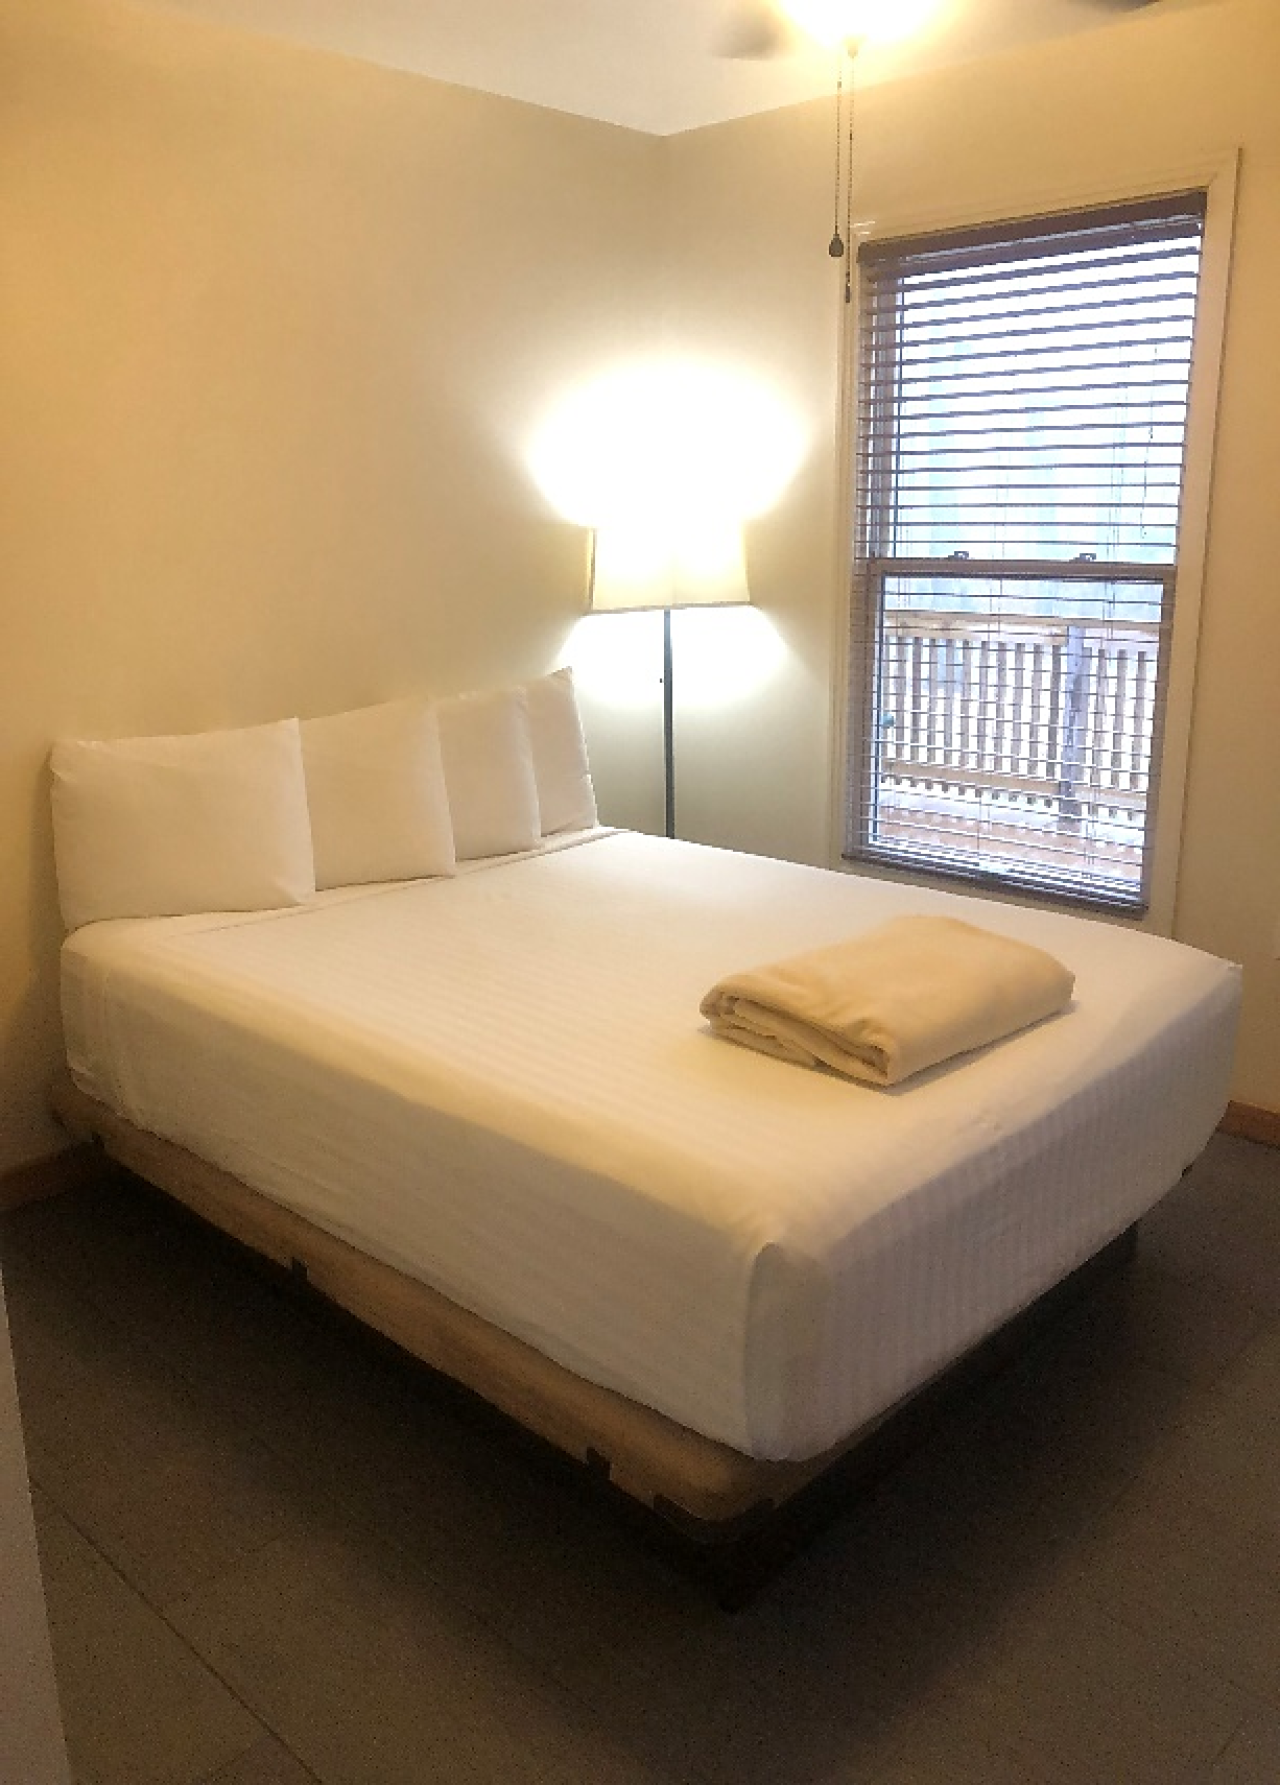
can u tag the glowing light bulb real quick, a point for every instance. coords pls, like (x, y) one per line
(860, 21)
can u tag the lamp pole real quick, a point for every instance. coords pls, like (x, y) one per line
(668, 724)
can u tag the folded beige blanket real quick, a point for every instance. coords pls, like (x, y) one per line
(893, 1001)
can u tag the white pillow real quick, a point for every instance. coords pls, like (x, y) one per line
(566, 797)
(488, 769)
(155, 827)
(375, 786)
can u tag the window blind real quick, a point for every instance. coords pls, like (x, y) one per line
(1022, 402)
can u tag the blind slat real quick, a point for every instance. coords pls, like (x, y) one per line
(1141, 391)
(1180, 217)
(1123, 284)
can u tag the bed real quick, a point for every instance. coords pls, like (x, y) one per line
(481, 1111)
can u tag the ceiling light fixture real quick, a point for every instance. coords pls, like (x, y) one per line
(849, 23)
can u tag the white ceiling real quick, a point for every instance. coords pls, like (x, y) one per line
(651, 65)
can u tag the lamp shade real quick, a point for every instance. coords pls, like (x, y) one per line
(637, 566)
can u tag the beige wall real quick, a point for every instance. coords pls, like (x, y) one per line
(748, 226)
(748, 217)
(275, 330)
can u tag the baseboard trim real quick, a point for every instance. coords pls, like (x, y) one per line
(50, 1176)
(1251, 1122)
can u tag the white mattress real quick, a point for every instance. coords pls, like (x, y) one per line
(501, 1084)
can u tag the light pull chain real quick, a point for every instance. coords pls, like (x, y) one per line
(840, 246)
(848, 188)
(835, 248)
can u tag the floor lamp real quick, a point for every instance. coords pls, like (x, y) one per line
(633, 569)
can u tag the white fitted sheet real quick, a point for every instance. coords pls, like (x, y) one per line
(501, 1084)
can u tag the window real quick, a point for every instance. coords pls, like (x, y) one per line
(1022, 418)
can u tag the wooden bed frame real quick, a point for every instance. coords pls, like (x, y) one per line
(736, 1514)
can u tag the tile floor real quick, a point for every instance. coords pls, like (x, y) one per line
(274, 1554)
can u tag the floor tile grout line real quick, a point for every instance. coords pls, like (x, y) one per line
(220, 1770)
(159, 1612)
(544, 1681)
(1211, 1764)
(335, 1500)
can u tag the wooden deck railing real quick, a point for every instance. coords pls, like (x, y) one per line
(1048, 713)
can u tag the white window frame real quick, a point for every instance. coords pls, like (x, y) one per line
(1217, 177)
